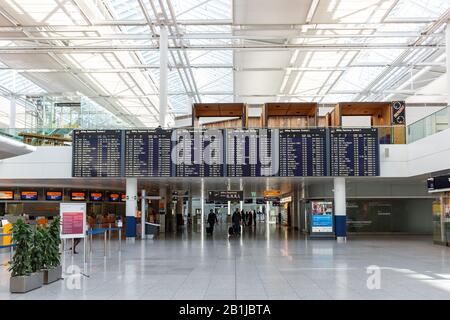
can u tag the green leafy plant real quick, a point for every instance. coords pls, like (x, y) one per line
(52, 240)
(20, 265)
(37, 250)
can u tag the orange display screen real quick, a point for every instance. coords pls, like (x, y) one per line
(6, 195)
(114, 197)
(78, 196)
(96, 196)
(29, 195)
(53, 195)
(124, 197)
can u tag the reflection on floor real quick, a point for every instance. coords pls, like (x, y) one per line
(277, 264)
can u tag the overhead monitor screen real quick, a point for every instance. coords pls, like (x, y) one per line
(148, 153)
(303, 152)
(78, 196)
(198, 153)
(114, 197)
(252, 152)
(97, 153)
(28, 195)
(96, 196)
(355, 152)
(53, 196)
(6, 195)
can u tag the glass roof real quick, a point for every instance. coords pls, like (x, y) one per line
(108, 51)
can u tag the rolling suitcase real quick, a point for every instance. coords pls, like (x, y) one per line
(209, 230)
(230, 231)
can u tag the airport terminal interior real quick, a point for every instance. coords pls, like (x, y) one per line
(224, 149)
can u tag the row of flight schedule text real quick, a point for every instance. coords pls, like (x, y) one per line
(225, 152)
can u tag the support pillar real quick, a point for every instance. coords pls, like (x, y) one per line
(241, 203)
(340, 209)
(131, 208)
(163, 72)
(447, 48)
(202, 200)
(12, 113)
(143, 213)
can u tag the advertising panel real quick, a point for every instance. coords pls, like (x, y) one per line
(321, 217)
(73, 220)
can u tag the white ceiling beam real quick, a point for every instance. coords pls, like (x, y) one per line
(227, 22)
(126, 47)
(213, 36)
(311, 11)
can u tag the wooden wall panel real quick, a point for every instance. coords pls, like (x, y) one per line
(254, 122)
(235, 123)
(322, 121)
(287, 122)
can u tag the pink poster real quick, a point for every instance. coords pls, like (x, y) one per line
(72, 222)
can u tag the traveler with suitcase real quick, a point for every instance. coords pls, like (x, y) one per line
(212, 219)
(236, 220)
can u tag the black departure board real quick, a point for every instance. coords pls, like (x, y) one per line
(97, 153)
(355, 152)
(303, 152)
(198, 153)
(251, 152)
(148, 153)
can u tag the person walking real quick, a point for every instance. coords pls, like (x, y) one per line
(249, 218)
(236, 220)
(254, 218)
(212, 220)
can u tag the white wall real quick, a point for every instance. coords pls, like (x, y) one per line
(44, 163)
(414, 114)
(429, 154)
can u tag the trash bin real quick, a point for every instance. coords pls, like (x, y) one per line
(151, 229)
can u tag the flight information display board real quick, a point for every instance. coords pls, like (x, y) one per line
(355, 152)
(198, 153)
(252, 152)
(303, 152)
(148, 153)
(97, 153)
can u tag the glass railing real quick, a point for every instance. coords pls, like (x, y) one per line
(39, 136)
(433, 123)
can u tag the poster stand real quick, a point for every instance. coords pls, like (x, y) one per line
(73, 224)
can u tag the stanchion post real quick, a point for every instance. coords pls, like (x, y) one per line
(120, 239)
(104, 254)
(84, 250)
(73, 246)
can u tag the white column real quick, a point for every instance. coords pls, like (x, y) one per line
(447, 46)
(340, 209)
(163, 71)
(241, 203)
(229, 202)
(12, 112)
(143, 213)
(202, 200)
(131, 207)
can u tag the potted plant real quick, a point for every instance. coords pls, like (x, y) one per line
(51, 265)
(37, 249)
(23, 278)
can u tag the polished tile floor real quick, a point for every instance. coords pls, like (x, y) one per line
(273, 264)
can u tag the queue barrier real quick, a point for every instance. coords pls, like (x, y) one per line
(11, 246)
(105, 231)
